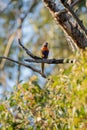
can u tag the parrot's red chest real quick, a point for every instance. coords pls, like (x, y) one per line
(44, 52)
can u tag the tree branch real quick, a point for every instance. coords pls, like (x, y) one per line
(27, 51)
(9, 43)
(75, 3)
(1, 11)
(23, 64)
(50, 61)
(66, 5)
(69, 26)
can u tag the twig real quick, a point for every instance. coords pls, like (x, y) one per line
(75, 3)
(23, 64)
(27, 51)
(6, 7)
(50, 61)
(29, 10)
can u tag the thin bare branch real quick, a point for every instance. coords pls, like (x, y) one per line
(1, 11)
(75, 3)
(23, 64)
(29, 10)
(27, 51)
(51, 61)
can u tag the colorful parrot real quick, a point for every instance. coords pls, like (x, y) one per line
(44, 54)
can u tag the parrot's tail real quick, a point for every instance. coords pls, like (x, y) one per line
(42, 67)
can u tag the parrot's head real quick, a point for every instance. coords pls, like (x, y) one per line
(45, 44)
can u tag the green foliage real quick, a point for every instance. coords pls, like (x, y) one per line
(60, 105)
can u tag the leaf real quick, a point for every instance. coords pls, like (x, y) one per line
(2, 108)
(25, 86)
(10, 128)
(13, 103)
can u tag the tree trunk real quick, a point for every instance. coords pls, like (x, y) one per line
(69, 22)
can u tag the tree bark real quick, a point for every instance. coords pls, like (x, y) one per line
(69, 22)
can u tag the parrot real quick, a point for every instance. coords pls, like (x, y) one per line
(44, 54)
